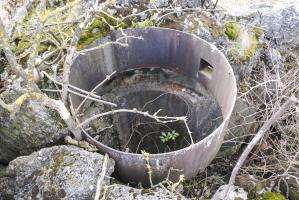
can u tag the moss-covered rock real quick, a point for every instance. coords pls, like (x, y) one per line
(100, 27)
(241, 52)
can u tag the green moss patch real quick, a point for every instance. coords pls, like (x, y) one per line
(232, 30)
(244, 55)
(273, 196)
(100, 27)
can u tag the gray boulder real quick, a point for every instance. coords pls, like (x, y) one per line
(59, 172)
(31, 129)
(280, 21)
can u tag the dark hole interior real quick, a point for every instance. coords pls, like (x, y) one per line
(205, 68)
(153, 89)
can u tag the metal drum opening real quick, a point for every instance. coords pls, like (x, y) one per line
(169, 71)
(150, 90)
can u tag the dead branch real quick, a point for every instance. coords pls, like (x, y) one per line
(83, 144)
(161, 119)
(51, 103)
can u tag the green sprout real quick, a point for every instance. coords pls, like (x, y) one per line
(168, 136)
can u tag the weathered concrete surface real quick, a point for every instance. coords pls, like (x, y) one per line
(33, 127)
(59, 172)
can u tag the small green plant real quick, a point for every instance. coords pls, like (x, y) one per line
(168, 136)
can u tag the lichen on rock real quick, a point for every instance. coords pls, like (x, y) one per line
(33, 127)
(57, 172)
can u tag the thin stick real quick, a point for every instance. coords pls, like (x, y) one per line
(189, 132)
(93, 96)
(101, 179)
(161, 119)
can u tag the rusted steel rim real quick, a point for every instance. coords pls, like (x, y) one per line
(181, 52)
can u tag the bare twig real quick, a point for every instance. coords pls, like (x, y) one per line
(83, 144)
(161, 119)
(85, 94)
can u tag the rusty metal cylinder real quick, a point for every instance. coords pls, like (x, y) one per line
(168, 49)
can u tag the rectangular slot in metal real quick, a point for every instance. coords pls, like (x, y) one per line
(205, 68)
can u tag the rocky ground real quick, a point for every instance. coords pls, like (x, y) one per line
(261, 41)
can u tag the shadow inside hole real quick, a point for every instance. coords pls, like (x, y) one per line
(151, 90)
(143, 133)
